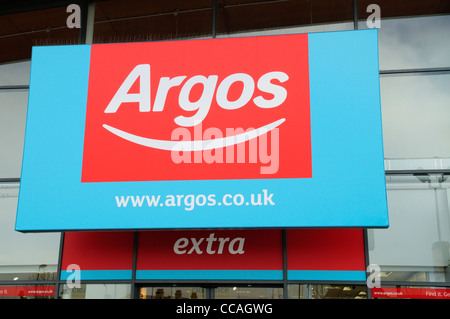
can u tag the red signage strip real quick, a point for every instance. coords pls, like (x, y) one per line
(27, 291)
(98, 250)
(325, 249)
(410, 293)
(210, 250)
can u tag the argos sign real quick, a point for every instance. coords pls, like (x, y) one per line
(273, 131)
(162, 115)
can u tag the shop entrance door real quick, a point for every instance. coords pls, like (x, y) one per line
(248, 292)
(174, 292)
(210, 291)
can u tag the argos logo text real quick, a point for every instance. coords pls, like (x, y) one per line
(168, 111)
(203, 104)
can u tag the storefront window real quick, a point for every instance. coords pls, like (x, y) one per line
(23, 257)
(248, 292)
(17, 73)
(211, 292)
(415, 247)
(310, 291)
(415, 112)
(28, 272)
(13, 110)
(173, 292)
(338, 292)
(412, 43)
(297, 291)
(96, 291)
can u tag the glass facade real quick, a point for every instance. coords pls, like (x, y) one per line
(414, 55)
(96, 291)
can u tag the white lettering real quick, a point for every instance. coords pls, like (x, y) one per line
(203, 103)
(224, 87)
(279, 93)
(213, 245)
(222, 242)
(210, 241)
(240, 248)
(141, 71)
(268, 198)
(266, 150)
(196, 246)
(165, 84)
(179, 244)
(193, 309)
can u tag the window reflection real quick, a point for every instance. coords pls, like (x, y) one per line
(411, 43)
(28, 272)
(26, 256)
(415, 115)
(96, 291)
(392, 274)
(242, 292)
(332, 291)
(338, 292)
(415, 247)
(175, 292)
(13, 111)
(298, 291)
(17, 73)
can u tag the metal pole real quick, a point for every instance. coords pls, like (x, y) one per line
(355, 14)
(284, 243)
(214, 19)
(134, 292)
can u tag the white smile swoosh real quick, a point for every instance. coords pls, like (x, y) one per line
(199, 145)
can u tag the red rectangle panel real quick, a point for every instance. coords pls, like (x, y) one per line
(212, 250)
(98, 250)
(325, 249)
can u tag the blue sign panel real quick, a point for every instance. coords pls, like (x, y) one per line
(148, 135)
